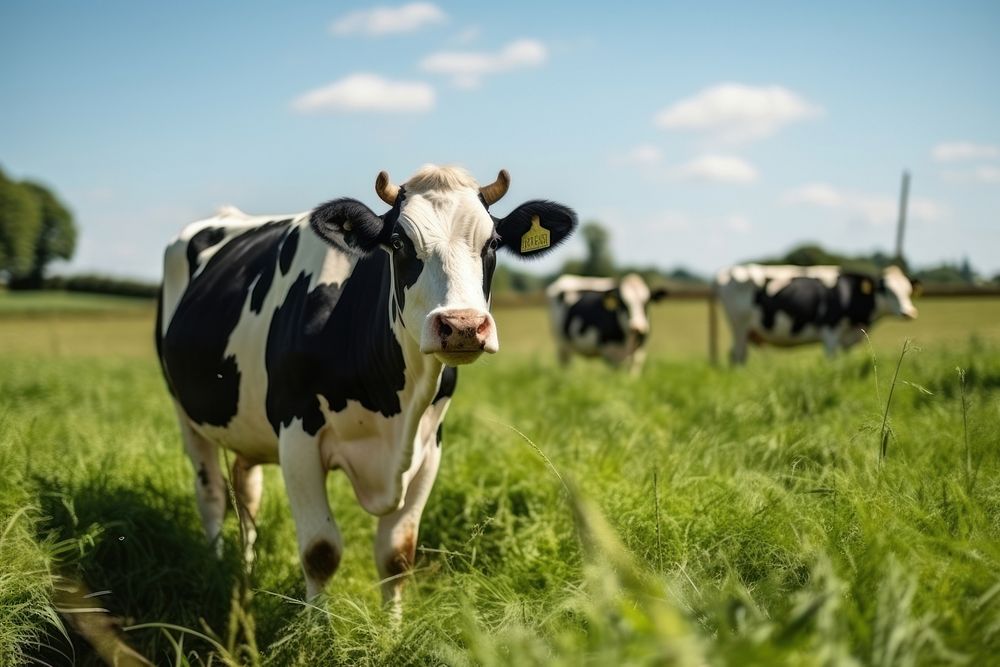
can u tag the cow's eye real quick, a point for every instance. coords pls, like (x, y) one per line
(494, 243)
(397, 243)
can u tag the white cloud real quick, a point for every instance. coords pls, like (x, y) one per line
(734, 112)
(718, 169)
(872, 209)
(467, 68)
(367, 92)
(468, 35)
(953, 151)
(644, 155)
(389, 20)
(986, 173)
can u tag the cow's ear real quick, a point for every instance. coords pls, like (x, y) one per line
(348, 224)
(917, 286)
(659, 294)
(534, 228)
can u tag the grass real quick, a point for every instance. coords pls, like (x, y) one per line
(691, 516)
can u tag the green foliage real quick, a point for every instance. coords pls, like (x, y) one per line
(94, 283)
(20, 224)
(691, 516)
(35, 229)
(56, 236)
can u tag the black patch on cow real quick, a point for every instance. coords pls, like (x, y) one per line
(205, 381)
(809, 301)
(406, 266)
(288, 247)
(489, 257)
(591, 310)
(449, 380)
(205, 238)
(440, 434)
(158, 338)
(558, 219)
(320, 560)
(336, 342)
(266, 277)
(350, 225)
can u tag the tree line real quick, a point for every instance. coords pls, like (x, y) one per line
(36, 228)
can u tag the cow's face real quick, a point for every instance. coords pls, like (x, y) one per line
(894, 293)
(635, 298)
(442, 242)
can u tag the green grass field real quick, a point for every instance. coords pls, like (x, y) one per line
(693, 516)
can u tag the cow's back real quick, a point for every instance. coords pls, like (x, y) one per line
(216, 273)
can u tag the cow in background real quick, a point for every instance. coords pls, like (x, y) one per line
(794, 305)
(602, 317)
(329, 339)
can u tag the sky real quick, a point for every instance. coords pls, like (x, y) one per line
(700, 134)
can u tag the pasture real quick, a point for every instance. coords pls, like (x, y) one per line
(776, 514)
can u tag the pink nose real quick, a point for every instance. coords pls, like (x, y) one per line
(463, 330)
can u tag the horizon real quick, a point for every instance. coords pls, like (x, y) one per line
(697, 141)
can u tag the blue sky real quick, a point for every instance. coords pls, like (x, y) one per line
(700, 133)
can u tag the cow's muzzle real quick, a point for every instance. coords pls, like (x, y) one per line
(459, 336)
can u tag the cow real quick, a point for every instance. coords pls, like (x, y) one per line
(330, 340)
(602, 317)
(794, 305)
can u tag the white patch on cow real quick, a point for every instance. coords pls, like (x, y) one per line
(896, 299)
(635, 293)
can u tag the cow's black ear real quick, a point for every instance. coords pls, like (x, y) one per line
(659, 294)
(348, 224)
(917, 286)
(534, 228)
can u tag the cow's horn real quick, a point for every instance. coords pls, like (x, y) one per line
(497, 189)
(387, 192)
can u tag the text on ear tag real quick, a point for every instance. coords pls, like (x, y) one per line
(866, 286)
(536, 238)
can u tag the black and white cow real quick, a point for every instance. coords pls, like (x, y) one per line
(602, 317)
(792, 305)
(328, 339)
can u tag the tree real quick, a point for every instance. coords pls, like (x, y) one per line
(35, 229)
(56, 235)
(20, 222)
(598, 261)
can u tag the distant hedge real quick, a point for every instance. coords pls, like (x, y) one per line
(98, 284)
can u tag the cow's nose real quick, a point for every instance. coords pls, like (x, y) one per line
(464, 330)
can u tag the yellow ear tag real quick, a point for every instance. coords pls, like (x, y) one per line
(536, 238)
(610, 303)
(918, 290)
(866, 287)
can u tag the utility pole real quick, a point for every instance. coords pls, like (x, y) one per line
(904, 195)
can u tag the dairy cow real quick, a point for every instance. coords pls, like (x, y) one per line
(793, 305)
(329, 339)
(602, 317)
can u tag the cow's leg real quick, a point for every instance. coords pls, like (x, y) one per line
(209, 484)
(831, 341)
(320, 543)
(738, 353)
(636, 362)
(248, 484)
(396, 537)
(563, 354)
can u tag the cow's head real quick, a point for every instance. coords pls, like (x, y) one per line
(442, 241)
(894, 292)
(630, 300)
